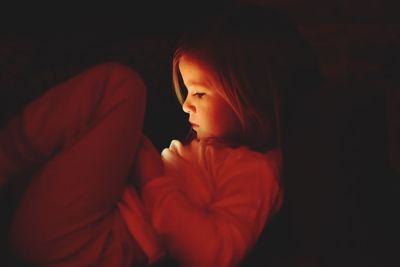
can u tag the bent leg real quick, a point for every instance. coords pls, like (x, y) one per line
(88, 129)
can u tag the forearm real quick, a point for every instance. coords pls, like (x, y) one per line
(148, 164)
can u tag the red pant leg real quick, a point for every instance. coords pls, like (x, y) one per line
(87, 129)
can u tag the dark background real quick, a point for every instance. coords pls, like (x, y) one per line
(342, 142)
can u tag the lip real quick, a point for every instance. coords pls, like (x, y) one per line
(193, 124)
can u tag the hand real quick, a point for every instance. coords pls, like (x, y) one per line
(148, 163)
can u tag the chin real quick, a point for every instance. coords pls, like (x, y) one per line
(201, 137)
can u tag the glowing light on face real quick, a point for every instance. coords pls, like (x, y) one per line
(210, 115)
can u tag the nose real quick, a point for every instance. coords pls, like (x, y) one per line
(187, 106)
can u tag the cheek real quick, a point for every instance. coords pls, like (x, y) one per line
(225, 119)
(209, 116)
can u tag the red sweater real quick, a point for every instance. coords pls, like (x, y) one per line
(211, 205)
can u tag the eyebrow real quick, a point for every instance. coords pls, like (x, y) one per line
(196, 83)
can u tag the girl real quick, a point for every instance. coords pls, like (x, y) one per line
(204, 202)
(220, 189)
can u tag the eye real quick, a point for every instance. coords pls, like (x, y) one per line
(199, 95)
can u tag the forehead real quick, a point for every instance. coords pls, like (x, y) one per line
(195, 71)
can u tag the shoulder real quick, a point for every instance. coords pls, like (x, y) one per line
(249, 175)
(242, 161)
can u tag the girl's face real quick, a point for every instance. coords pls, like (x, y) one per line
(209, 114)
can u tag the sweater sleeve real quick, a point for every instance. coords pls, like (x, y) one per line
(247, 190)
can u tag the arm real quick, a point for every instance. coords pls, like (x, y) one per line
(221, 234)
(148, 164)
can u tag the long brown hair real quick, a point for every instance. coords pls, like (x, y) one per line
(258, 56)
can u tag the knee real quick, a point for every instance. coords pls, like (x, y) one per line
(121, 80)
